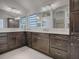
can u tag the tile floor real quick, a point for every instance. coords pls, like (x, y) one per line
(24, 53)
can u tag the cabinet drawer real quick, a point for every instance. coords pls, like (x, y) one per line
(3, 34)
(63, 37)
(44, 36)
(3, 40)
(60, 42)
(40, 36)
(35, 35)
(19, 34)
(58, 54)
(57, 43)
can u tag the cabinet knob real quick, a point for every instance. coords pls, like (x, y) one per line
(77, 39)
(72, 44)
(39, 38)
(60, 44)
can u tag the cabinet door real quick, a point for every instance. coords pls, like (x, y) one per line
(74, 5)
(20, 39)
(41, 42)
(11, 40)
(75, 21)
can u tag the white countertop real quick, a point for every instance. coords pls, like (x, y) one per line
(11, 30)
(52, 31)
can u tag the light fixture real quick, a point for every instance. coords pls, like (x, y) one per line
(53, 6)
(43, 9)
(8, 9)
(16, 11)
(11, 20)
(56, 5)
(17, 18)
(12, 10)
(46, 8)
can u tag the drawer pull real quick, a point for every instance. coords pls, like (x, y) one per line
(58, 54)
(39, 38)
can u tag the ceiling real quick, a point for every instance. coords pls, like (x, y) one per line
(27, 7)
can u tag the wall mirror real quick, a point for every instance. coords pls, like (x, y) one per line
(13, 23)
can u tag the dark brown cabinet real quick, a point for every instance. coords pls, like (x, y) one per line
(59, 46)
(16, 39)
(74, 5)
(11, 40)
(74, 16)
(40, 42)
(75, 22)
(74, 26)
(75, 47)
(74, 13)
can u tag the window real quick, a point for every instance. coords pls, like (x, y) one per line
(46, 20)
(22, 22)
(32, 21)
(1, 23)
